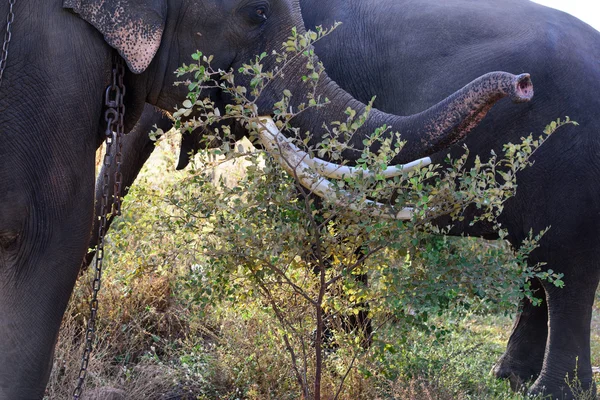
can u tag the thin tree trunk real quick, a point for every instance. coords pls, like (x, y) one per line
(319, 338)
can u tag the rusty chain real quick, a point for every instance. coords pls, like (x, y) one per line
(114, 114)
(118, 88)
(7, 36)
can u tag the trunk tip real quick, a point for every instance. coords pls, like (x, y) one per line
(522, 89)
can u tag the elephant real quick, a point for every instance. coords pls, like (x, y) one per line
(64, 56)
(559, 191)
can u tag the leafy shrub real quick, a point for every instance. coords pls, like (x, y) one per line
(245, 288)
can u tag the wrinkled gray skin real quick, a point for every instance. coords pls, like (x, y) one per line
(447, 43)
(51, 101)
(417, 51)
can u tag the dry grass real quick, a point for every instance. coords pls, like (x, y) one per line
(143, 333)
(134, 328)
(420, 389)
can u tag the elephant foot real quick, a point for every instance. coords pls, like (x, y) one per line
(517, 373)
(517, 382)
(564, 390)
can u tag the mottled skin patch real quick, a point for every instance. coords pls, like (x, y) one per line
(132, 27)
(467, 107)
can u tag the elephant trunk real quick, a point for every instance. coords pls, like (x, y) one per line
(449, 121)
(425, 133)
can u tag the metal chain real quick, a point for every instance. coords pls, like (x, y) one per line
(115, 111)
(7, 36)
(120, 66)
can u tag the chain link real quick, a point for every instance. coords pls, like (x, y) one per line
(7, 36)
(119, 138)
(114, 114)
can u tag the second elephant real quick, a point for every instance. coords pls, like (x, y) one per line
(417, 52)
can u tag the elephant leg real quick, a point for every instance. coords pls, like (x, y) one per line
(522, 361)
(51, 102)
(46, 209)
(567, 356)
(360, 323)
(137, 148)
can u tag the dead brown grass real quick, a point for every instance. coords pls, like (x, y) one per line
(420, 389)
(133, 329)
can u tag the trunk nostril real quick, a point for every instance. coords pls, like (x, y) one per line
(523, 89)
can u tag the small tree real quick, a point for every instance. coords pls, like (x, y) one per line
(265, 240)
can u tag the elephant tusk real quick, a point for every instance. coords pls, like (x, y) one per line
(294, 162)
(336, 171)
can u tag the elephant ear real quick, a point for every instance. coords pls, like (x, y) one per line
(133, 27)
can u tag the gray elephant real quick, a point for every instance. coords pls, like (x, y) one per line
(61, 58)
(444, 43)
(416, 52)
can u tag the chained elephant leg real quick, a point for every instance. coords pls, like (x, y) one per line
(45, 218)
(137, 148)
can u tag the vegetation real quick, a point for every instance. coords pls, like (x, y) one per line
(251, 288)
(156, 341)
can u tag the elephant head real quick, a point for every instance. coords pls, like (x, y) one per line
(155, 37)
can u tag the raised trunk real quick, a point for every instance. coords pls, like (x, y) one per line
(425, 133)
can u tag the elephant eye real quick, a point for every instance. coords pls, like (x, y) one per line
(257, 12)
(262, 12)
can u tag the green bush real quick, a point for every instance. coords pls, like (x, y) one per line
(244, 289)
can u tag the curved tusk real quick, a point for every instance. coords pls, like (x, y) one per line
(294, 162)
(336, 171)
